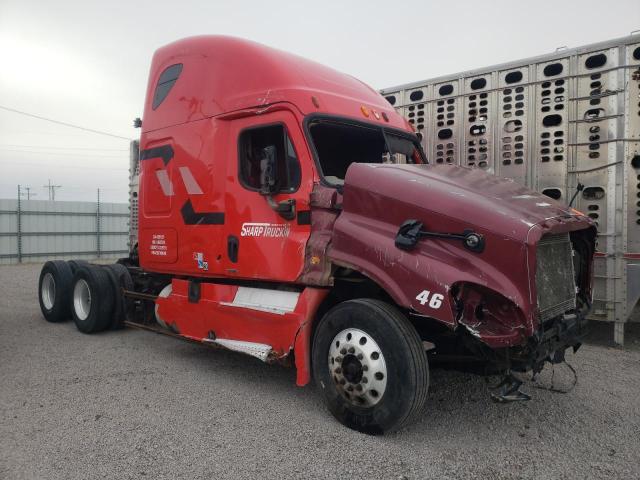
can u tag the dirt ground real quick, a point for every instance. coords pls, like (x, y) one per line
(133, 404)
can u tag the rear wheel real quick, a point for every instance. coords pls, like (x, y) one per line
(123, 307)
(370, 364)
(54, 288)
(92, 299)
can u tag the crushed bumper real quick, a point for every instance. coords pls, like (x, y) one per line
(551, 341)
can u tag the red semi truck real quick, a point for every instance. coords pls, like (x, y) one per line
(286, 211)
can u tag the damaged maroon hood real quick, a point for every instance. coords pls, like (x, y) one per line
(469, 197)
(378, 199)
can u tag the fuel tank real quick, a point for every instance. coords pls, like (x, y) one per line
(441, 275)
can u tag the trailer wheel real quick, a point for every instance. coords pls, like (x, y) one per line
(76, 264)
(54, 290)
(370, 364)
(92, 299)
(123, 307)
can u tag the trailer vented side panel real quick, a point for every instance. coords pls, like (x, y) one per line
(552, 122)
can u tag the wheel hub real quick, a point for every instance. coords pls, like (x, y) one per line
(82, 299)
(48, 292)
(352, 369)
(357, 367)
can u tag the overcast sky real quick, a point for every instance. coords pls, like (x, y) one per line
(86, 62)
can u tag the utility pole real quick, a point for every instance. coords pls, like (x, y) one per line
(52, 190)
(28, 194)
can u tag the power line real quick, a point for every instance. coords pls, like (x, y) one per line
(61, 154)
(65, 148)
(99, 132)
(124, 168)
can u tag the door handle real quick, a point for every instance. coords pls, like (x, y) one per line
(233, 245)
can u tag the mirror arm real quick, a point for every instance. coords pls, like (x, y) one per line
(412, 230)
(286, 209)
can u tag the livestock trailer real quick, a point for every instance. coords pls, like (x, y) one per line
(565, 124)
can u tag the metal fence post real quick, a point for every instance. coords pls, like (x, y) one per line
(98, 239)
(19, 226)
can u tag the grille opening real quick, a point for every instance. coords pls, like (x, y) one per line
(553, 69)
(552, 120)
(554, 193)
(478, 83)
(445, 90)
(513, 77)
(595, 61)
(445, 133)
(594, 113)
(416, 95)
(513, 126)
(477, 130)
(391, 99)
(555, 277)
(593, 193)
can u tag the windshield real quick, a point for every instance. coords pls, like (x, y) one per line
(339, 144)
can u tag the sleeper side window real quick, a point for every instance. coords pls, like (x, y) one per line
(167, 80)
(253, 147)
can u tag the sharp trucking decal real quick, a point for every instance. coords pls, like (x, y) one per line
(265, 230)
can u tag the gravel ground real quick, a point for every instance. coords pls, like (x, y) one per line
(133, 404)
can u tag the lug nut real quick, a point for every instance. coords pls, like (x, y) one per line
(339, 359)
(343, 351)
(365, 368)
(359, 356)
(352, 350)
(338, 370)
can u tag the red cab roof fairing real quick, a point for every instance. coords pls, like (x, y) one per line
(224, 74)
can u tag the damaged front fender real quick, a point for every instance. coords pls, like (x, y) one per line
(490, 317)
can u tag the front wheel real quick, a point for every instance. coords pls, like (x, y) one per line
(370, 364)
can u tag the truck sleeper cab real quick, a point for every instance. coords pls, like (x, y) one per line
(288, 212)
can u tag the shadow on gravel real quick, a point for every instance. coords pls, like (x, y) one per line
(455, 397)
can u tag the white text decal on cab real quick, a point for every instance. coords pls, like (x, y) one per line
(269, 230)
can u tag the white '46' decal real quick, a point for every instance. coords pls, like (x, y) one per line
(434, 302)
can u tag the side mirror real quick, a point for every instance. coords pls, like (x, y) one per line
(268, 171)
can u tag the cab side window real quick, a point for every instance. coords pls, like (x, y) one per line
(253, 145)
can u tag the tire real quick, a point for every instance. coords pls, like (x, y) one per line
(75, 264)
(120, 278)
(54, 291)
(92, 299)
(391, 392)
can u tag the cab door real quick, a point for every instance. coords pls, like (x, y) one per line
(262, 243)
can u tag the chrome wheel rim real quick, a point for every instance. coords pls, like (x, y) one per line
(82, 299)
(357, 367)
(48, 292)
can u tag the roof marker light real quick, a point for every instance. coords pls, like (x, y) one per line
(385, 116)
(315, 102)
(364, 110)
(376, 114)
